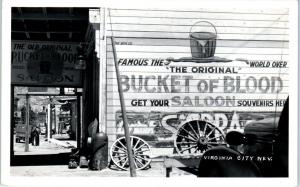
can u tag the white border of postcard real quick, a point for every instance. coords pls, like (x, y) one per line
(7, 179)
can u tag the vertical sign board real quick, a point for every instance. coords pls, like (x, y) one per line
(165, 86)
(44, 64)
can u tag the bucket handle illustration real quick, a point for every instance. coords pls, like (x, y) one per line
(215, 29)
(203, 44)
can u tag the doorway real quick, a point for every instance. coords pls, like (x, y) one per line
(46, 121)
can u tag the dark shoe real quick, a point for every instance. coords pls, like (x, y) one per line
(72, 164)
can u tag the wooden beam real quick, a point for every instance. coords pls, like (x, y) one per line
(20, 10)
(45, 14)
(45, 94)
(87, 32)
(36, 31)
(71, 14)
(48, 28)
(48, 35)
(44, 11)
(124, 117)
(52, 16)
(27, 35)
(70, 11)
(25, 27)
(25, 30)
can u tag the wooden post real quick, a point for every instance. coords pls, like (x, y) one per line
(102, 69)
(78, 129)
(125, 122)
(48, 121)
(27, 130)
(13, 125)
(54, 119)
(51, 121)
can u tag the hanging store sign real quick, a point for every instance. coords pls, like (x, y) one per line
(44, 64)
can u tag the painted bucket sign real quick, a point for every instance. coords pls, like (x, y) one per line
(164, 85)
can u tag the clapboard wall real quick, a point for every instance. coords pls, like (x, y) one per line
(249, 34)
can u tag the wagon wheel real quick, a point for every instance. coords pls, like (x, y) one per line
(140, 149)
(195, 137)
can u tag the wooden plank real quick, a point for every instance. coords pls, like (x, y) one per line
(212, 109)
(180, 55)
(182, 11)
(242, 96)
(198, 14)
(224, 36)
(187, 49)
(185, 42)
(146, 64)
(188, 22)
(221, 30)
(182, 160)
(208, 101)
(194, 72)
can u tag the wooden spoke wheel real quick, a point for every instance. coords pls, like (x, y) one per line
(195, 137)
(140, 151)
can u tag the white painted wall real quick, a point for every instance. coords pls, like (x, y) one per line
(252, 34)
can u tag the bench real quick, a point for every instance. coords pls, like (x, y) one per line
(180, 161)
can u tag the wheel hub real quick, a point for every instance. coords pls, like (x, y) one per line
(202, 143)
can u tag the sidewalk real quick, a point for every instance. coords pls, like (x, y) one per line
(51, 159)
(157, 170)
(45, 147)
